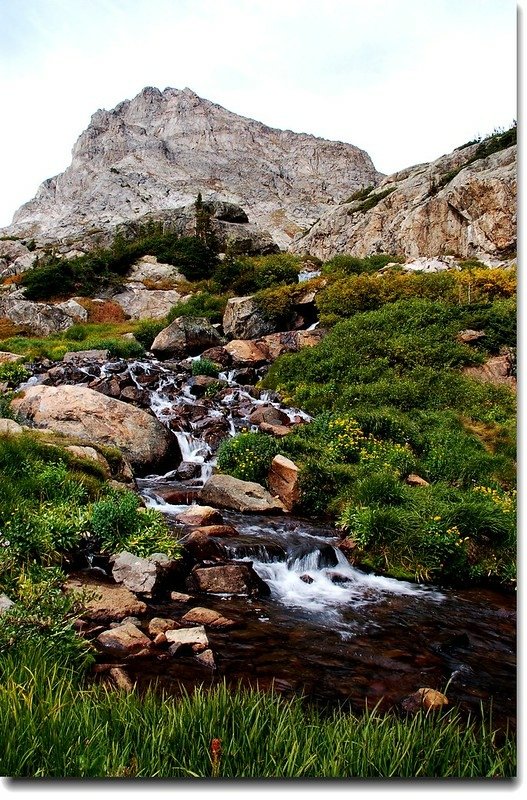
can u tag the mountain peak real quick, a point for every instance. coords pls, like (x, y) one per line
(156, 151)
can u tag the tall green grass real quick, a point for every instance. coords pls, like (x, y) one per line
(52, 725)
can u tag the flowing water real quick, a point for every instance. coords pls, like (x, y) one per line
(327, 630)
(338, 634)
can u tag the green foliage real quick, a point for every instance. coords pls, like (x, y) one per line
(248, 456)
(118, 524)
(58, 726)
(352, 265)
(245, 275)
(13, 374)
(201, 304)
(371, 200)
(204, 366)
(497, 141)
(360, 194)
(104, 269)
(88, 336)
(147, 330)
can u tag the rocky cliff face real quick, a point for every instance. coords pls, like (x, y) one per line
(157, 151)
(454, 205)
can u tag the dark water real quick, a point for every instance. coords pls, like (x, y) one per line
(364, 639)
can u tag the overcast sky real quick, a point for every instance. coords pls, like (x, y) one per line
(407, 80)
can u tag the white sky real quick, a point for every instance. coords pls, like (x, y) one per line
(407, 80)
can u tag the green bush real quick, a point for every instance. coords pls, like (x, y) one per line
(147, 330)
(247, 456)
(13, 374)
(201, 304)
(118, 524)
(204, 366)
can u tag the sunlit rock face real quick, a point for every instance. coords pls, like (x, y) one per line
(157, 151)
(420, 213)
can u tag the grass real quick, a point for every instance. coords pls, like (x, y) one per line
(54, 725)
(87, 336)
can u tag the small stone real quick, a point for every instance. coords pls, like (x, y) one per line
(124, 640)
(198, 516)
(159, 625)
(180, 597)
(206, 658)
(306, 578)
(206, 616)
(425, 698)
(416, 480)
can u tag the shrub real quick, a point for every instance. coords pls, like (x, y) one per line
(201, 304)
(13, 373)
(247, 456)
(204, 366)
(147, 330)
(118, 525)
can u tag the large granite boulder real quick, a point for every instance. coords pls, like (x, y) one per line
(232, 579)
(224, 491)
(104, 601)
(83, 413)
(244, 320)
(141, 303)
(186, 336)
(37, 319)
(141, 575)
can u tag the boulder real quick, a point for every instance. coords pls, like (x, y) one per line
(206, 616)
(291, 341)
(141, 575)
(6, 358)
(217, 530)
(141, 303)
(416, 480)
(468, 336)
(186, 336)
(206, 658)
(82, 413)
(120, 679)
(270, 414)
(124, 641)
(77, 312)
(231, 579)
(105, 601)
(496, 370)
(180, 597)
(10, 427)
(37, 319)
(244, 320)
(148, 270)
(274, 430)
(160, 625)
(197, 516)
(187, 638)
(283, 481)
(5, 603)
(91, 454)
(225, 491)
(246, 353)
(202, 547)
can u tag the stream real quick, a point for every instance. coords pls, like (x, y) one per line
(328, 631)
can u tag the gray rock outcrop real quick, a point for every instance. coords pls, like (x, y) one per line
(157, 151)
(37, 319)
(422, 212)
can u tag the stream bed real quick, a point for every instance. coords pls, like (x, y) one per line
(341, 636)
